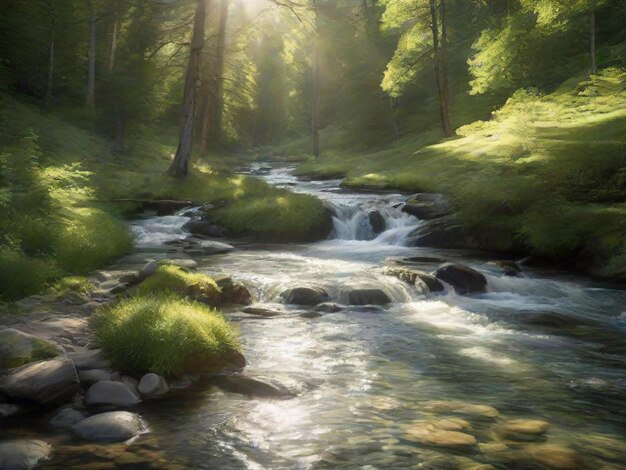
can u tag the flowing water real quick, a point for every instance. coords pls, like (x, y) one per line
(370, 381)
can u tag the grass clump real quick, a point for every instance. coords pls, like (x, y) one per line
(279, 216)
(176, 280)
(166, 335)
(70, 285)
(21, 275)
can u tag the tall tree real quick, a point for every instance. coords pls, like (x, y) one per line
(90, 97)
(440, 61)
(179, 166)
(592, 35)
(50, 82)
(214, 86)
(114, 25)
(316, 99)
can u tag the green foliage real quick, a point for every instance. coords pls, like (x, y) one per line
(164, 334)
(21, 275)
(70, 285)
(176, 280)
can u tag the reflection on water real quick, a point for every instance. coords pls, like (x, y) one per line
(427, 382)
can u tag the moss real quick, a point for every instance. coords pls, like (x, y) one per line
(283, 216)
(176, 280)
(166, 335)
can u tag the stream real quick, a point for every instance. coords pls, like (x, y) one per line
(369, 380)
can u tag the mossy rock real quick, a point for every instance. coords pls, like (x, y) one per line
(18, 349)
(166, 335)
(176, 280)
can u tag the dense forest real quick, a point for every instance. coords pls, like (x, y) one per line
(138, 136)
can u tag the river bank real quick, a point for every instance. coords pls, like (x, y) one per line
(526, 371)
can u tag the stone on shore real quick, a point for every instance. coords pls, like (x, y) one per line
(66, 418)
(18, 348)
(111, 393)
(115, 426)
(152, 385)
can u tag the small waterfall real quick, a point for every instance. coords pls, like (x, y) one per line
(155, 231)
(353, 222)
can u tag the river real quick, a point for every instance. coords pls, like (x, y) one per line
(372, 383)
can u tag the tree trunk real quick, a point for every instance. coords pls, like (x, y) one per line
(592, 35)
(445, 85)
(440, 67)
(113, 36)
(317, 88)
(214, 99)
(90, 98)
(180, 164)
(120, 132)
(50, 83)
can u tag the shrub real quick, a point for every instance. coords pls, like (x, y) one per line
(21, 276)
(166, 335)
(176, 280)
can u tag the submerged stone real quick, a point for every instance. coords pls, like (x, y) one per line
(23, 454)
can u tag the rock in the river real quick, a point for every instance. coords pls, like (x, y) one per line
(427, 205)
(327, 307)
(204, 227)
(463, 279)
(377, 221)
(93, 376)
(7, 410)
(262, 311)
(115, 426)
(508, 268)
(23, 454)
(461, 408)
(429, 434)
(310, 314)
(523, 429)
(425, 283)
(148, 270)
(66, 418)
(305, 296)
(368, 297)
(554, 457)
(45, 382)
(232, 292)
(152, 385)
(208, 247)
(111, 393)
(248, 386)
(17, 348)
(183, 263)
(444, 232)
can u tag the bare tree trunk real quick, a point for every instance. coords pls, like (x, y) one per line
(442, 82)
(445, 84)
(317, 88)
(50, 83)
(592, 35)
(120, 132)
(113, 36)
(90, 98)
(214, 99)
(180, 164)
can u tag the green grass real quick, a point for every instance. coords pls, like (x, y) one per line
(176, 280)
(546, 174)
(164, 334)
(71, 285)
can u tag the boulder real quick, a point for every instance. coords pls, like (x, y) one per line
(130, 381)
(45, 382)
(204, 227)
(183, 263)
(508, 268)
(17, 348)
(93, 376)
(233, 292)
(305, 296)
(523, 429)
(262, 311)
(107, 392)
(444, 232)
(248, 386)
(327, 307)
(115, 426)
(90, 359)
(148, 270)
(152, 385)
(368, 297)
(66, 418)
(377, 221)
(422, 281)
(427, 206)
(463, 279)
(23, 454)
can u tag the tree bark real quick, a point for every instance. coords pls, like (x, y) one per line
(214, 99)
(440, 65)
(592, 35)
(50, 82)
(179, 166)
(113, 36)
(90, 98)
(317, 88)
